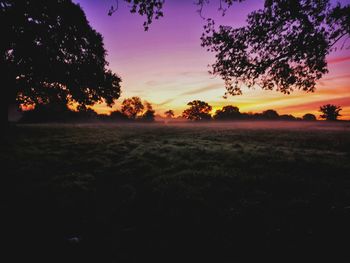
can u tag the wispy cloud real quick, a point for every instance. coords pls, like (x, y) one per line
(202, 89)
(165, 102)
(152, 83)
(194, 73)
(191, 92)
(345, 76)
(344, 102)
(338, 59)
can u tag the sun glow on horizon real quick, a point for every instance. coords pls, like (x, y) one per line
(167, 66)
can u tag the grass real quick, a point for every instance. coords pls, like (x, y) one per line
(218, 193)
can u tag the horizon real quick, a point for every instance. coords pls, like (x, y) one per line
(167, 67)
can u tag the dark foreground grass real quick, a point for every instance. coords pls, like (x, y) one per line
(156, 193)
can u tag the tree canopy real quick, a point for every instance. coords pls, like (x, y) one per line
(49, 52)
(169, 114)
(198, 110)
(309, 117)
(148, 115)
(330, 112)
(270, 114)
(153, 9)
(131, 107)
(228, 112)
(282, 47)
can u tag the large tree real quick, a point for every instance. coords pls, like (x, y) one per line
(198, 111)
(283, 46)
(132, 107)
(330, 112)
(228, 112)
(49, 52)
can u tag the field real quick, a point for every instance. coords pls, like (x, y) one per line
(177, 193)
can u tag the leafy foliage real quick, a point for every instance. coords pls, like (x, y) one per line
(270, 114)
(330, 112)
(131, 107)
(309, 117)
(169, 114)
(148, 115)
(51, 53)
(198, 110)
(152, 9)
(227, 113)
(283, 46)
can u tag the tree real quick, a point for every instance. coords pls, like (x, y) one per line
(52, 112)
(169, 114)
(270, 115)
(148, 115)
(49, 51)
(227, 113)
(198, 110)
(283, 46)
(86, 113)
(309, 117)
(287, 117)
(131, 107)
(330, 112)
(118, 116)
(153, 9)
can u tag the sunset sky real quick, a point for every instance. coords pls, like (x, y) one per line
(167, 66)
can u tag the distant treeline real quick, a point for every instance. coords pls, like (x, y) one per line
(134, 110)
(200, 110)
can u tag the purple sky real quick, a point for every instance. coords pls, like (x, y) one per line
(167, 66)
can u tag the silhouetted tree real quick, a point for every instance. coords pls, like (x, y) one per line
(52, 112)
(169, 114)
(270, 115)
(309, 117)
(152, 9)
(287, 117)
(86, 113)
(148, 115)
(198, 110)
(118, 116)
(131, 107)
(227, 113)
(282, 47)
(49, 49)
(330, 112)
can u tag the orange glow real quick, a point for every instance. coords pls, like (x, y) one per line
(167, 66)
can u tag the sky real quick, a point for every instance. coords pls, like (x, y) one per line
(167, 67)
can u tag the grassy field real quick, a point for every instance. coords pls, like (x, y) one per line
(177, 193)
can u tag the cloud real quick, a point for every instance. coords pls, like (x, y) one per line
(191, 92)
(338, 59)
(344, 102)
(345, 76)
(165, 102)
(202, 89)
(152, 83)
(194, 73)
